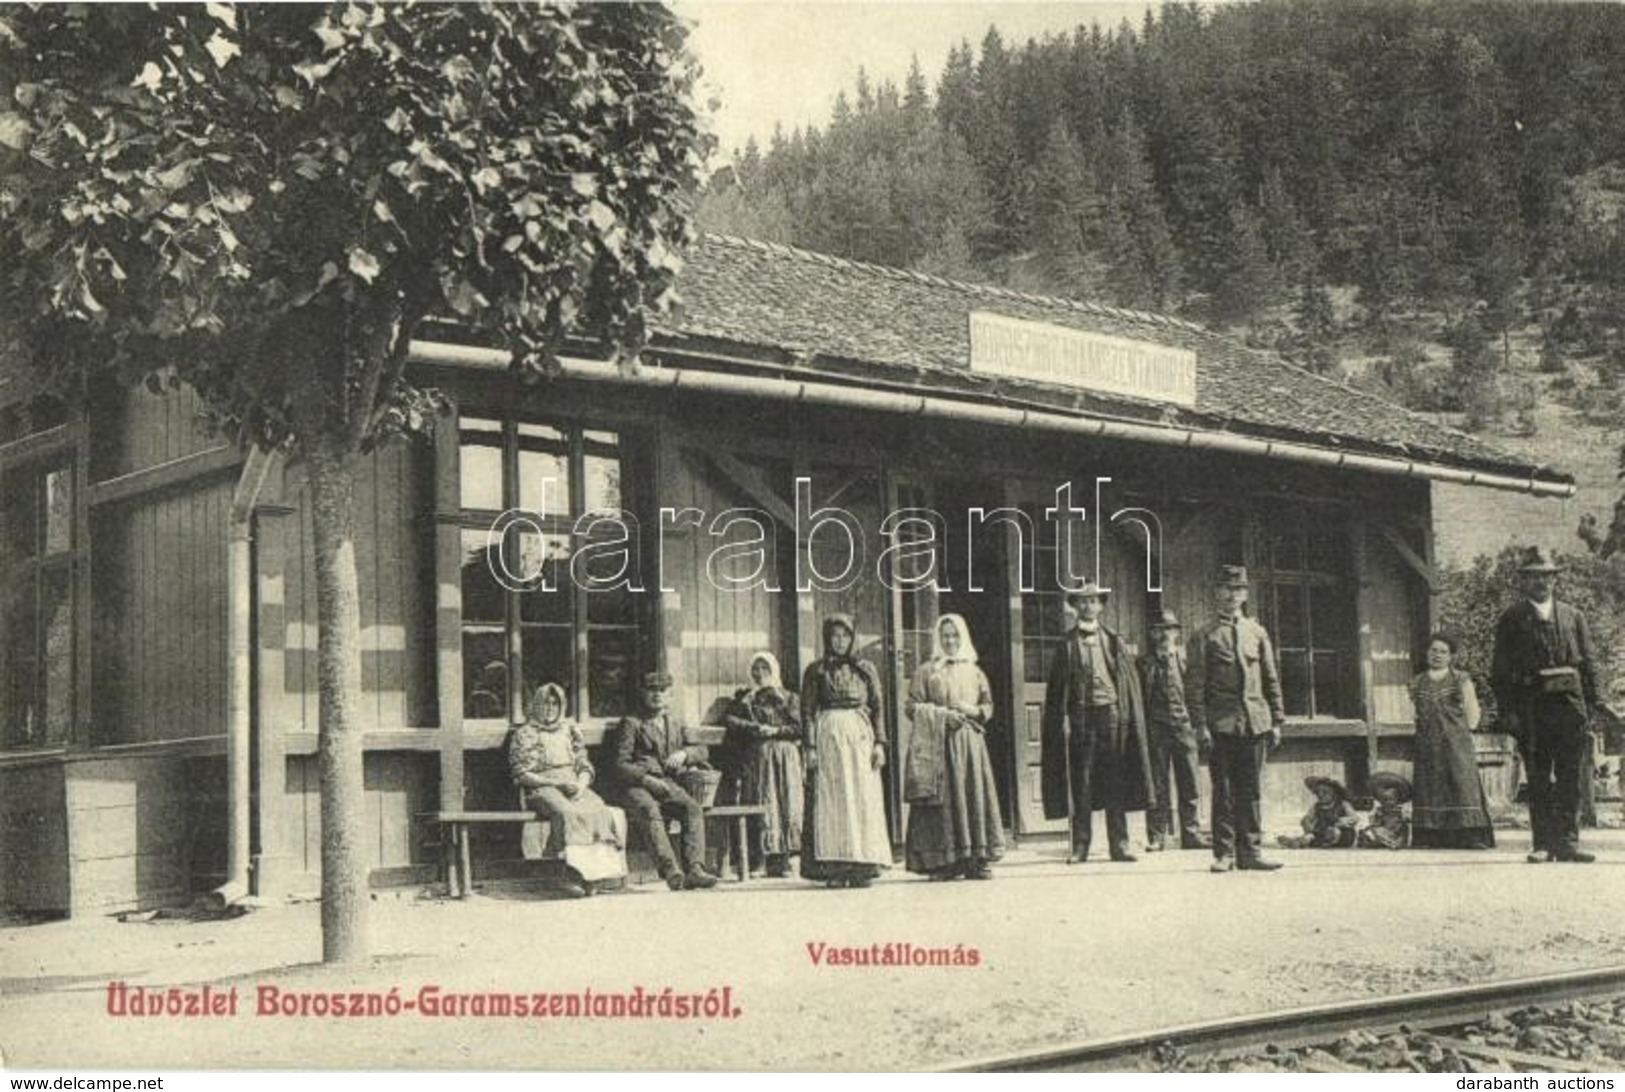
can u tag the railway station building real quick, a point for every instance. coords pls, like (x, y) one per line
(806, 435)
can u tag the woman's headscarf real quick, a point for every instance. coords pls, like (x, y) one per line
(774, 680)
(851, 626)
(967, 649)
(537, 701)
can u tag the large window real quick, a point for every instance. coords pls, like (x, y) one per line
(538, 626)
(36, 605)
(1303, 593)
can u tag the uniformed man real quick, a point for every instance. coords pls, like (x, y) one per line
(1093, 744)
(650, 750)
(1546, 685)
(1233, 692)
(1171, 738)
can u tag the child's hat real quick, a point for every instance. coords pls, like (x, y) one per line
(1315, 781)
(1387, 779)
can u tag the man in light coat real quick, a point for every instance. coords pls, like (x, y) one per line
(1233, 693)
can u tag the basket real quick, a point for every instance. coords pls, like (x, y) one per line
(701, 783)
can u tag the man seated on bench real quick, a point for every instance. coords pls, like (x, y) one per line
(651, 750)
(548, 759)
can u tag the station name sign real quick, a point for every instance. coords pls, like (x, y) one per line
(1098, 362)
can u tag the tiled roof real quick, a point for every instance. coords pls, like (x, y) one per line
(889, 324)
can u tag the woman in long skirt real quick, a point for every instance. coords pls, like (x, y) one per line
(844, 841)
(953, 820)
(548, 759)
(1449, 810)
(764, 723)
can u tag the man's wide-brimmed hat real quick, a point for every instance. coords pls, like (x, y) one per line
(1231, 576)
(1166, 620)
(1091, 590)
(1388, 779)
(1315, 781)
(1537, 559)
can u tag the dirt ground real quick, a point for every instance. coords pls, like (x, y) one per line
(1064, 953)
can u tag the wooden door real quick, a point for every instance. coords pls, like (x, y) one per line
(1045, 621)
(913, 615)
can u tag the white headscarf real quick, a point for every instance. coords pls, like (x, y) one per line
(775, 681)
(967, 649)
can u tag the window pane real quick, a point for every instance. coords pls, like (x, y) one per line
(483, 596)
(544, 471)
(56, 619)
(603, 477)
(485, 674)
(1331, 610)
(611, 660)
(58, 511)
(617, 607)
(546, 560)
(481, 464)
(548, 653)
(1295, 683)
(1328, 548)
(21, 717)
(1286, 541)
(19, 518)
(1290, 630)
(1329, 688)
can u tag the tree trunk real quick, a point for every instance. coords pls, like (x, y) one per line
(332, 468)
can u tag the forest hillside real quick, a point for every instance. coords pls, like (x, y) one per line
(1424, 200)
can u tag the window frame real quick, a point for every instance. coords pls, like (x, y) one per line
(580, 444)
(1265, 525)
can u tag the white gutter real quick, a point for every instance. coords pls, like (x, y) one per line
(815, 392)
(239, 695)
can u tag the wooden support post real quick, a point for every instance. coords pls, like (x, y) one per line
(276, 546)
(1359, 555)
(448, 570)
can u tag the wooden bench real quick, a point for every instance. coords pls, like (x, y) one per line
(455, 825)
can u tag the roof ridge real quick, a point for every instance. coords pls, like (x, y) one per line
(894, 273)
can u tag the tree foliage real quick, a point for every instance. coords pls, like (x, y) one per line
(272, 198)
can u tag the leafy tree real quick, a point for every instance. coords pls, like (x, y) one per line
(273, 199)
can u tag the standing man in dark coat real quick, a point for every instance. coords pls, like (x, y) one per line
(1233, 692)
(1172, 739)
(650, 750)
(1093, 742)
(1546, 684)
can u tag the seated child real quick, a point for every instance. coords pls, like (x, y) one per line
(1331, 823)
(1390, 823)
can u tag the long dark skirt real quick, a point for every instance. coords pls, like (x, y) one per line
(964, 829)
(773, 778)
(1450, 810)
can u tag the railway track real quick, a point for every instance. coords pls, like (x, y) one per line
(1439, 1015)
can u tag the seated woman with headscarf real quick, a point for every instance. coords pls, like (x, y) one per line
(764, 727)
(844, 841)
(548, 759)
(953, 818)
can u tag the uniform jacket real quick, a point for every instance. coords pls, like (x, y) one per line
(1520, 654)
(641, 745)
(1062, 697)
(1233, 689)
